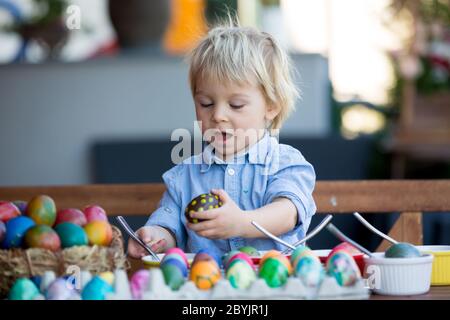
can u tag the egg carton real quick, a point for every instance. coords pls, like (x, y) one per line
(223, 290)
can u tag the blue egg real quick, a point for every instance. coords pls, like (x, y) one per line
(15, 231)
(23, 289)
(36, 280)
(177, 263)
(96, 289)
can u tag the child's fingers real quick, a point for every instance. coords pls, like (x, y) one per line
(206, 215)
(135, 250)
(223, 195)
(144, 234)
(201, 226)
(159, 245)
(209, 233)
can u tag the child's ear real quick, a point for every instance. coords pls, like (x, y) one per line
(272, 111)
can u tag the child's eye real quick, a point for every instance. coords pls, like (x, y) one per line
(237, 106)
(206, 105)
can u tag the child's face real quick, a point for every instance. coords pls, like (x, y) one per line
(233, 116)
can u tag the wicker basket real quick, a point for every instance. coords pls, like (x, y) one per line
(17, 263)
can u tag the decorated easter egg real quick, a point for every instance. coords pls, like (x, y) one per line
(402, 250)
(36, 280)
(44, 237)
(8, 211)
(16, 228)
(298, 253)
(23, 289)
(346, 247)
(108, 276)
(177, 263)
(240, 274)
(173, 276)
(251, 251)
(204, 274)
(274, 272)
(96, 289)
(310, 270)
(139, 283)
(61, 289)
(98, 233)
(203, 202)
(269, 254)
(343, 268)
(71, 235)
(2, 231)
(95, 213)
(241, 256)
(203, 256)
(180, 252)
(71, 215)
(176, 257)
(212, 254)
(284, 260)
(21, 205)
(227, 256)
(42, 210)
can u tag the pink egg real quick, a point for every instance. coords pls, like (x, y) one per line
(71, 215)
(8, 210)
(242, 256)
(95, 213)
(138, 283)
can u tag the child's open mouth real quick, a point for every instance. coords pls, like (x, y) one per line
(223, 137)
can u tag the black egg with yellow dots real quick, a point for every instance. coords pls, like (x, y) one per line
(203, 202)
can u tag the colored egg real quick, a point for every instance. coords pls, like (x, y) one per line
(173, 276)
(274, 272)
(71, 215)
(177, 263)
(16, 228)
(95, 213)
(298, 252)
(23, 289)
(251, 251)
(212, 254)
(44, 237)
(8, 211)
(42, 210)
(139, 283)
(242, 256)
(99, 233)
(60, 289)
(96, 289)
(240, 274)
(284, 260)
(310, 270)
(71, 235)
(203, 202)
(204, 274)
(402, 250)
(175, 256)
(227, 256)
(343, 268)
(180, 252)
(203, 256)
(36, 280)
(2, 231)
(108, 276)
(346, 247)
(269, 254)
(21, 205)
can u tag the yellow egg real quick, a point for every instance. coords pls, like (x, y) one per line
(107, 276)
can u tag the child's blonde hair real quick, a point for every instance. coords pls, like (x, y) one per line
(230, 53)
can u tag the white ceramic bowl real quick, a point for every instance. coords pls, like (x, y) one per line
(398, 276)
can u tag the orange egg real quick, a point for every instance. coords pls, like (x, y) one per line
(99, 233)
(205, 274)
(269, 254)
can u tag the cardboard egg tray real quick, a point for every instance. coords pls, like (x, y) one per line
(158, 290)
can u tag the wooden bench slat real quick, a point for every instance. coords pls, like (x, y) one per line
(372, 196)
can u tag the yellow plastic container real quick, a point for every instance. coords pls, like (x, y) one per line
(440, 275)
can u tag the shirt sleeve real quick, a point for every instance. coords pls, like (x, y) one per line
(168, 213)
(294, 180)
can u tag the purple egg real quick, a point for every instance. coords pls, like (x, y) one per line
(2, 231)
(60, 289)
(22, 205)
(138, 283)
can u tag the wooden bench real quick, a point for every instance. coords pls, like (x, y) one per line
(410, 198)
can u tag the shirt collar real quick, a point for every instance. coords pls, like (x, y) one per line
(256, 154)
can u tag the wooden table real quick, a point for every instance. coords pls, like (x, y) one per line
(435, 293)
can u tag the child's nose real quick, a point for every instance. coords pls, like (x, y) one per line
(220, 113)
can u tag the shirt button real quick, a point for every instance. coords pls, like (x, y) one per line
(231, 172)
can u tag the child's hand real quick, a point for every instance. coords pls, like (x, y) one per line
(221, 223)
(152, 236)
